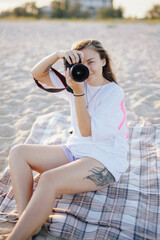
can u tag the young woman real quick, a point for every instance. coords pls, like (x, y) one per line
(94, 155)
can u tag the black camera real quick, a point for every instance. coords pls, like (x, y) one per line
(79, 72)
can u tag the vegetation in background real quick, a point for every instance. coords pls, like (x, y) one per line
(154, 12)
(110, 12)
(63, 9)
(28, 9)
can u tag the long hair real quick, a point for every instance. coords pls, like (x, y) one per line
(97, 46)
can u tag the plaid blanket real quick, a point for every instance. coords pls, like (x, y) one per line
(129, 209)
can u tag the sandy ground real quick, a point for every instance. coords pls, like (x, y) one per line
(134, 49)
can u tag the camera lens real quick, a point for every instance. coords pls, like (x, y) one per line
(79, 72)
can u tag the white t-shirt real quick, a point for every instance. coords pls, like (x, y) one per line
(108, 142)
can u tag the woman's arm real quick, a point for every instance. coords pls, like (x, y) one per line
(41, 69)
(83, 117)
(41, 72)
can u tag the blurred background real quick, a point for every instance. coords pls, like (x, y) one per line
(81, 8)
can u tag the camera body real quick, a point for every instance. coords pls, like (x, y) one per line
(79, 72)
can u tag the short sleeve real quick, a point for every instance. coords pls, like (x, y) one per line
(109, 118)
(58, 84)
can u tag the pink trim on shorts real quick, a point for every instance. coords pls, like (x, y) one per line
(68, 153)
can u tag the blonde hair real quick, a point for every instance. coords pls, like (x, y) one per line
(97, 46)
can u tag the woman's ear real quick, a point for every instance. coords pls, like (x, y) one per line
(104, 62)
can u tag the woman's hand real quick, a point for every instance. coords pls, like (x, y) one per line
(78, 87)
(72, 56)
(80, 105)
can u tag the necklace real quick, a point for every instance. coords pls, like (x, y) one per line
(88, 102)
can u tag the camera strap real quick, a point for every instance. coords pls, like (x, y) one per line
(55, 90)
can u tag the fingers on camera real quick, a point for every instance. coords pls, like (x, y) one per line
(67, 73)
(72, 57)
(81, 55)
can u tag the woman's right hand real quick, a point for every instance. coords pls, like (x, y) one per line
(72, 56)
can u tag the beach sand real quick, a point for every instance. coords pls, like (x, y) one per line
(134, 50)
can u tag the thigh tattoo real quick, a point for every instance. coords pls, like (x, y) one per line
(100, 176)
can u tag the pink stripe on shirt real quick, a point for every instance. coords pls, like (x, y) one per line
(124, 118)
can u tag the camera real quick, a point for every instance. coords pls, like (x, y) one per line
(79, 72)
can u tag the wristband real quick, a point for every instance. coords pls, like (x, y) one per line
(78, 95)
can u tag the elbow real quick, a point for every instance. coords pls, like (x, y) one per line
(34, 76)
(32, 73)
(86, 133)
(85, 129)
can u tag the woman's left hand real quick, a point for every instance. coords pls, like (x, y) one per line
(78, 87)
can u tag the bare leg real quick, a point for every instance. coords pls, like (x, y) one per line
(83, 175)
(25, 158)
(22, 181)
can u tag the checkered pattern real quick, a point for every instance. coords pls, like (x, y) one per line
(129, 209)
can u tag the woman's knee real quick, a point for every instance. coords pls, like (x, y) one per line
(16, 152)
(49, 179)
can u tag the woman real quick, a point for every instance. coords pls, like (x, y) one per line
(94, 155)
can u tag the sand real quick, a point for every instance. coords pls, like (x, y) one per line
(134, 49)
